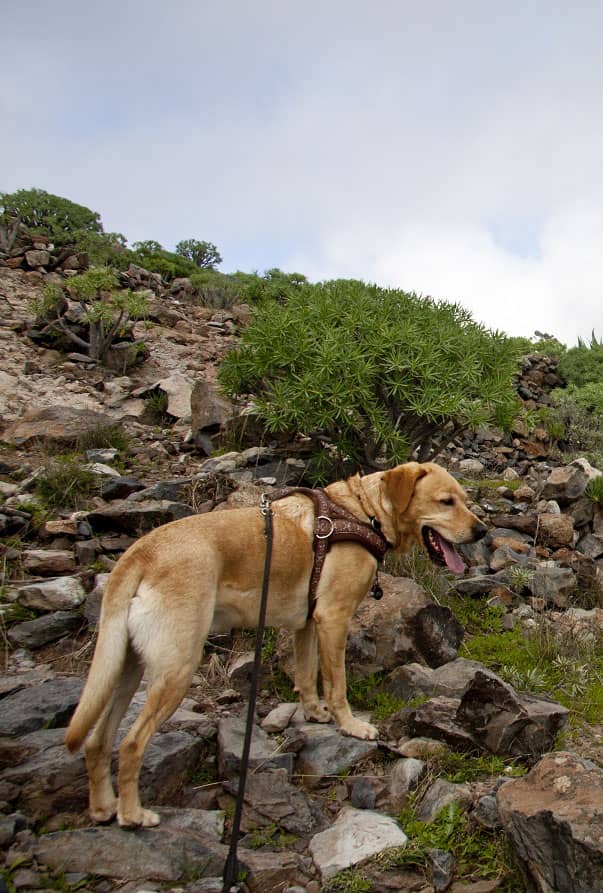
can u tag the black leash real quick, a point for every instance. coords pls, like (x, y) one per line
(231, 867)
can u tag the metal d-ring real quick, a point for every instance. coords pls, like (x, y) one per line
(324, 536)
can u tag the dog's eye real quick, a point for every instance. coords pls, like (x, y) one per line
(448, 501)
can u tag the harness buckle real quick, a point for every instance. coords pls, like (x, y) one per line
(324, 536)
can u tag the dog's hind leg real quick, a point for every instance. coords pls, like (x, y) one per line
(305, 648)
(163, 697)
(170, 646)
(99, 746)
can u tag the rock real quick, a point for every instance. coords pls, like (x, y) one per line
(48, 705)
(58, 594)
(279, 718)
(452, 678)
(504, 721)
(37, 258)
(48, 562)
(272, 872)
(364, 793)
(328, 752)
(43, 630)
(440, 794)
(209, 411)
(55, 424)
(442, 869)
(554, 820)
(137, 517)
(264, 752)
(404, 778)
(569, 482)
(356, 834)
(471, 467)
(179, 389)
(271, 798)
(410, 681)
(437, 718)
(404, 625)
(163, 853)
(553, 584)
(119, 487)
(486, 812)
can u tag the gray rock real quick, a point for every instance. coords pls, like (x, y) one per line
(135, 518)
(486, 812)
(554, 584)
(327, 752)
(55, 424)
(48, 562)
(264, 752)
(164, 853)
(440, 794)
(44, 630)
(270, 798)
(437, 718)
(504, 721)
(410, 681)
(48, 705)
(356, 834)
(279, 718)
(364, 794)
(554, 820)
(405, 777)
(57, 594)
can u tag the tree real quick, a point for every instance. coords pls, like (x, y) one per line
(50, 215)
(204, 254)
(101, 315)
(375, 372)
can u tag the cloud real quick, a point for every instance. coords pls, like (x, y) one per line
(453, 150)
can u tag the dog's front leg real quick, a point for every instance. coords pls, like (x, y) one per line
(305, 649)
(332, 635)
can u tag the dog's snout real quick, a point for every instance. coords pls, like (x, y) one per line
(479, 531)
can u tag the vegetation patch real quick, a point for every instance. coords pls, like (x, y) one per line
(478, 853)
(66, 484)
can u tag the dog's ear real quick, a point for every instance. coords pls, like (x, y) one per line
(400, 483)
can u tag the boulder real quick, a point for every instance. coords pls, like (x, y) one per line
(54, 424)
(56, 594)
(46, 629)
(356, 834)
(130, 516)
(554, 820)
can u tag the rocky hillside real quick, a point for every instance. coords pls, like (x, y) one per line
(487, 773)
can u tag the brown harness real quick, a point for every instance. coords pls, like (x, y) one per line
(334, 524)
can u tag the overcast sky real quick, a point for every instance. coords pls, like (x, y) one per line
(449, 148)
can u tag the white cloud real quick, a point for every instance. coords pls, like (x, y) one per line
(450, 149)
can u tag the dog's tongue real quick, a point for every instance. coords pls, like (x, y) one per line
(451, 556)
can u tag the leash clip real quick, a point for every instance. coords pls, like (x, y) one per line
(264, 504)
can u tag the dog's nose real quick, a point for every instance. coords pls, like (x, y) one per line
(479, 531)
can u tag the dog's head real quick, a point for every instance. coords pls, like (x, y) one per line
(429, 508)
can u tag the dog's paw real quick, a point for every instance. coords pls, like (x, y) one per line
(317, 713)
(101, 815)
(139, 818)
(357, 728)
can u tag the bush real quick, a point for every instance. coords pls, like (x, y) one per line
(583, 364)
(154, 257)
(374, 371)
(274, 285)
(50, 215)
(204, 255)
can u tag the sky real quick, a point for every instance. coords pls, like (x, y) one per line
(454, 149)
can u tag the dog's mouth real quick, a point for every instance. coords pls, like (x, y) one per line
(442, 551)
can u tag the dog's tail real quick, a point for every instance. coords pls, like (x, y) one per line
(109, 655)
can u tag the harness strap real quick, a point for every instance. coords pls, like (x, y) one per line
(333, 524)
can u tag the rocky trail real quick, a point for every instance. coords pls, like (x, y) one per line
(317, 803)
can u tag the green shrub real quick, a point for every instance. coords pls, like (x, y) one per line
(273, 286)
(216, 289)
(594, 490)
(50, 215)
(372, 371)
(583, 364)
(155, 258)
(204, 255)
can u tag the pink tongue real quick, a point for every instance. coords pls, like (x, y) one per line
(451, 556)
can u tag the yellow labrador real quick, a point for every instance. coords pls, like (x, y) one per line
(203, 574)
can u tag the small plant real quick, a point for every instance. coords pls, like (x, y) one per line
(520, 577)
(66, 484)
(156, 404)
(270, 836)
(103, 437)
(594, 490)
(349, 881)
(102, 316)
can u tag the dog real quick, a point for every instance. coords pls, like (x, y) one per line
(203, 574)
